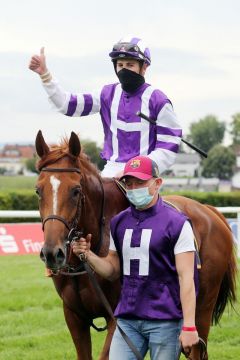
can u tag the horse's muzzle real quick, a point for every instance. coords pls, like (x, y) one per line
(54, 259)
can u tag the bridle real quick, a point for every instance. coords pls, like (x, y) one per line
(74, 232)
(73, 224)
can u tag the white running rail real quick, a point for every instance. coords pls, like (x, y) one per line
(35, 214)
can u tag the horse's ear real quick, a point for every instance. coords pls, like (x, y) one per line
(41, 147)
(74, 144)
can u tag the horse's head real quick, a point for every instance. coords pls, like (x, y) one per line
(60, 196)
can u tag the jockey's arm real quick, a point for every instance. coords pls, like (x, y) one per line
(169, 133)
(71, 104)
(65, 102)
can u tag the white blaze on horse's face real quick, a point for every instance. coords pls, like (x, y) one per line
(55, 185)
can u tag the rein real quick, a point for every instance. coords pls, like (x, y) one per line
(203, 351)
(108, 307)
(75, 233)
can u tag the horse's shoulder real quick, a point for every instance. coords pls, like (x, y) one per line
(113, 193)
(109, 185)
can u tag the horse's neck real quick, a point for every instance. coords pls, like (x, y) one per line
(115, 200)
(101, 204)
(92, 205)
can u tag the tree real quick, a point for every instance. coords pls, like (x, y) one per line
(235, 132)
(31, 164)
(92, 150)
(207, 132)
(219, 163)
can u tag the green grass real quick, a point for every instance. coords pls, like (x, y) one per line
(17, 182)
(32, 325)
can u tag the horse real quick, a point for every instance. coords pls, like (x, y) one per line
(74, 199)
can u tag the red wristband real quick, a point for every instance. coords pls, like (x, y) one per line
(189, 328)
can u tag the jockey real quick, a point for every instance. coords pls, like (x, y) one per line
(125, 134)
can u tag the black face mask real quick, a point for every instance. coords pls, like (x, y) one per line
(130, 80)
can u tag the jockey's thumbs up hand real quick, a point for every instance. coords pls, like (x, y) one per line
(38, 63)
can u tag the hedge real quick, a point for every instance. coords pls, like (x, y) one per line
(18, 200)
(28, 200)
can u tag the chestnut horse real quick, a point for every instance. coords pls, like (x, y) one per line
(73, 197)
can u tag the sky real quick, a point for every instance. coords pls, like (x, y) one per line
(195, 49)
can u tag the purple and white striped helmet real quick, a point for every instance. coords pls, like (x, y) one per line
(131, 47)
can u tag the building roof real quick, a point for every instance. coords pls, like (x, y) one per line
(183, 158)
(18, 151)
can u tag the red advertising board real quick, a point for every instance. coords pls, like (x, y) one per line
(20, 239)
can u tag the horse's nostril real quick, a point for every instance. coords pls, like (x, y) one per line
(60, 257)
(42, 256)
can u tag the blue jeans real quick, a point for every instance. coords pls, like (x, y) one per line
(160, 337)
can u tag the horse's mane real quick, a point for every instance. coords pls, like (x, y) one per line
(58, 152)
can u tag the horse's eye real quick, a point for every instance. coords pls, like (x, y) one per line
(75, 192)
(38, 192)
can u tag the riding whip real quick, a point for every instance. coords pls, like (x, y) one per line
(194, 147)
